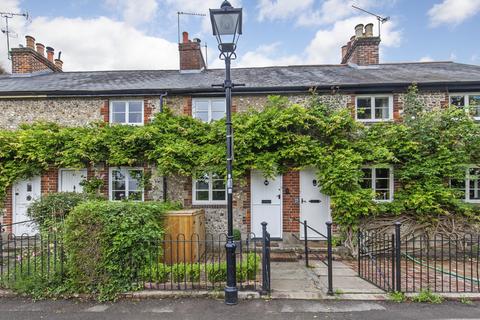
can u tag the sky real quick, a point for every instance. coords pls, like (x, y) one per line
(143, 34)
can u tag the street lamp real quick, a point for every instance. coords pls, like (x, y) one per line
(227, 24)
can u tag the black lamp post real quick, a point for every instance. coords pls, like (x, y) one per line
(227, 23)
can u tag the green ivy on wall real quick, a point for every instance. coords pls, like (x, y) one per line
(426, 150)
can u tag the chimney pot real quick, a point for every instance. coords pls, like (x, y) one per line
(369, 30)
(185, 37)
(41, 48)
(30, 41)
(196, 40)
(50, 53)
(359, 30)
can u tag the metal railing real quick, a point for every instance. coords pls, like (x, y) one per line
(438, 263)
(308, 251)
(180, 263)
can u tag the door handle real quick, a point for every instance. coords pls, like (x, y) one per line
(279, 196)
(303, 201)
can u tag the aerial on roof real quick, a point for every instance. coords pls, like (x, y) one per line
(267, 79)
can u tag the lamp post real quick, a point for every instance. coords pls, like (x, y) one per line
(227, 23)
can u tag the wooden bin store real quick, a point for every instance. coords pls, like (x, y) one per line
(186, 229)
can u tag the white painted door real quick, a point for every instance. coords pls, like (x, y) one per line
(266, 195)
(314, 205)
(70, 180)
(24, 193)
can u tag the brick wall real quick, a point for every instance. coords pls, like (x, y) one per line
(191, 57)
(105, 111)
(291, 207)
(27, 60)
(49, 181)
(363, 51)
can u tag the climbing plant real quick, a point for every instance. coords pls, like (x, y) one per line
(426, 150)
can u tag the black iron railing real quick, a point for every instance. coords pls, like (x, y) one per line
(439, 263)
(180, 263)
(308, 251)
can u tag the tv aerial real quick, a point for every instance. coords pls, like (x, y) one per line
(381, 20)
(6, 31)
(181, 13)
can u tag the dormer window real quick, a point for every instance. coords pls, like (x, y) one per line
(374, 108)
(126, 112)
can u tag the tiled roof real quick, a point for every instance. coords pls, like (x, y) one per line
(274, 78)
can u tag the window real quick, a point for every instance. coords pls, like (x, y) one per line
(374, 108)
(208, 110)
(209, 189)
(470, 102)
(380, 180)
(470, 187)
(126, 184)
(126, 112)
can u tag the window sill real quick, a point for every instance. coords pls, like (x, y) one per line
(374, 120)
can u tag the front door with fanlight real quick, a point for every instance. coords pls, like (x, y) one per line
(24, 193)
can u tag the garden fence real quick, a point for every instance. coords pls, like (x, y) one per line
(438, 263)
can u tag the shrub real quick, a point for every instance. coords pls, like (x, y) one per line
(156, 273)
(51, 210)
(397, 297)
(217, 272)
(108, 242)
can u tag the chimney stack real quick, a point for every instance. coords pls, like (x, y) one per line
(31, 58)
(363, 48)
(191, 57)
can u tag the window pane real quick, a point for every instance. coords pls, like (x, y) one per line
(366, 183)
(474, 104)
(135, 106)
(203, 116)
(218, 115)
(202, 106)
(218, 185)
(118, 118)
(135, 118)
(364, 108)
(382, 195)
(201, 185)
(118, 107)
(382, 184)
(218, 106)
(458, 101)
(218, 195)
(202, 195)
(118, 185)
(382, 173)
(118, 175)
(118, 195)
(382, 109)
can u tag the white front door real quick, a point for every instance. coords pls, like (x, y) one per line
(24, 193)
(314, 205)
(71, 179)
(266, 195)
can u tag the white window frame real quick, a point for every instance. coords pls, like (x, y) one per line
(210, 193)
(127, 112)
(466, 196)
(210, 101)
(110, 182)
(466, 97)
(391, 185)
(60, 177)
(372, 107)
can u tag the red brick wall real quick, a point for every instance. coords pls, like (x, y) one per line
(291, 207)
(49, 181)
(147, 111)
(363, 51)
(8, 218)
(247, 203)
(397, 108)
(105, 111)
(27, 60)
(187, 106)
(191, 57)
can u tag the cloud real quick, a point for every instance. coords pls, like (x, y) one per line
(426, 59)
(453, 12)
(135, 12)
(104, 44)
(326, 45)
(281, 9)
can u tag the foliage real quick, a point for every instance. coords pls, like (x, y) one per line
(237, 235)
(427, 296)
(397, 297)
(426, 150)
(106, 242)
(51, 210)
